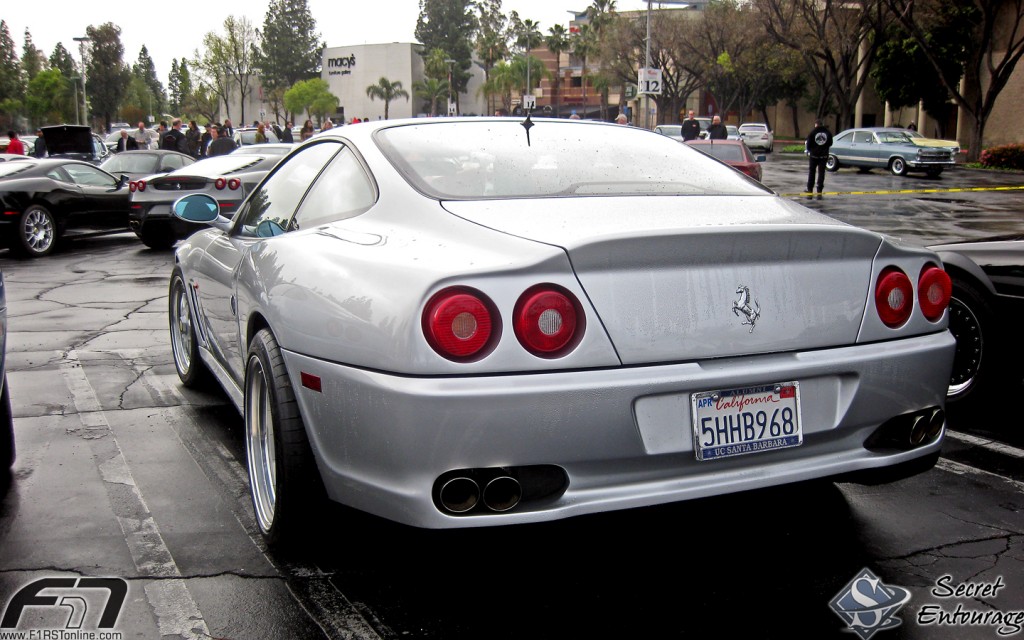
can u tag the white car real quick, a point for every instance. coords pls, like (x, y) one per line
(757, 135)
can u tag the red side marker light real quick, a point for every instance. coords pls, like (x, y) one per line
(311, 382)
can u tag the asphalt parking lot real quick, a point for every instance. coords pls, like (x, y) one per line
(961, 204)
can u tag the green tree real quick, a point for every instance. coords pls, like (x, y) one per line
(312, 97)
(174, 88)
(290, 48)
(32, 59)
(387, 91)
(527, 36)
(432, 91)
(61, 59)
(146, 70)
(202, 101)
(584, 45)
(491, 36)
(107, 76)
(11, 86)
(47, 98)
(228, 62)
(449, 25)
(503, 80)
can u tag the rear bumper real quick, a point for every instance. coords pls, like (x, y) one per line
(622, 436)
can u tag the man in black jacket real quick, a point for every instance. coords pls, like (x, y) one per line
(691, 128)
(174, 139)
(818, 142)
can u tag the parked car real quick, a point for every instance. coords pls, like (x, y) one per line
(734, 132)
(988, 296)
(757, 135)
(227, 178)
(269, 148)
(76, 142)
(44, 200)
(247, 136)
(733, 153)
(673, 131)
(7, 447)
(450, 322)
(4, 157)
(888, 148)
(141, 164)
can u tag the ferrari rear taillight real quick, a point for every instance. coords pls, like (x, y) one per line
(934, 290)
(220, 183)
(137, 186)
(548, 320)
(234, 184)
(894, 297)
(461, 324)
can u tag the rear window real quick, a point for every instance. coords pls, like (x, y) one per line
(12, 168)
(221, 165)
(469, 160)
(753, 127)
(131, 163)
(729, 152)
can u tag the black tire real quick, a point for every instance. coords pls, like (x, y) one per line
(283, 480)
(37, 232)
(157, 237)
(184, 343)
(979, 363)
(832, 163)
(7, 448)
(898, 166)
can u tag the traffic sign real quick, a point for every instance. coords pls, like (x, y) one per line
(649, 81)
(529, 101)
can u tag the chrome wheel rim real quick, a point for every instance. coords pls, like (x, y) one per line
(259, 445)
(181, 328)
(897, 166)
(38, 230)
(964, 326)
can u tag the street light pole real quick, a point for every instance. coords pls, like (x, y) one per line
(81, 40)
(451, 100)
(647, 65)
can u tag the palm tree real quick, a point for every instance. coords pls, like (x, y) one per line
(502, 81)
(558, 43)
(432, 90)
(529, 35)
(584, 44)
(387, 91)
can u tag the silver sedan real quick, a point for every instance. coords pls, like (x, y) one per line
(472, 322)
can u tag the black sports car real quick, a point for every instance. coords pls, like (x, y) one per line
(227, 179)
(988, 298)
(43, 200)
(142, 164)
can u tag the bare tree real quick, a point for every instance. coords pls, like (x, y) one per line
(998, 44)
(837, 39)
(228, 61)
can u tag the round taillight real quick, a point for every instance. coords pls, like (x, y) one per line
(132, 186)
(934, 290)
(234, 183)
(220, 183)
(894, 297)
(140, 185)
(548, 321)
(460, 324)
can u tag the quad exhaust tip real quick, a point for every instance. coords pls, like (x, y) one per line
(490, 491)
(460, 494)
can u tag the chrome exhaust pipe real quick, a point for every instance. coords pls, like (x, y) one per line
(502, 493)
(459, 494)
(918, 430)
(935, 423)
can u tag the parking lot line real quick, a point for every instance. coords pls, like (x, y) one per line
(904, 191)
(990, 445)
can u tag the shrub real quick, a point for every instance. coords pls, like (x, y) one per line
(1007, 156)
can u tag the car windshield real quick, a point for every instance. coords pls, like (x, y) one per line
(131, 163)
(504, 159)
(222, 165)
(12, 168)
(893, 136)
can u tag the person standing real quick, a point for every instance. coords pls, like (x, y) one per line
(818, 143)
(307, 131)
(690, 129)
(219, 145)
(15, 146)
(40, 146)
(717, 130)
(174, 139)
(126, 142)
(286, 133)
(192, 137)
(226, 131)
(261, 134)
(141, 136)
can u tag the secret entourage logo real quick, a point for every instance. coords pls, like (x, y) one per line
(1005, 623)
(868, 606)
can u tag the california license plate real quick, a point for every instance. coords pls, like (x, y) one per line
(733, 422)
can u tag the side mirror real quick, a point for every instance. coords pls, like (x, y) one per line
(123, 181)
(197, 207)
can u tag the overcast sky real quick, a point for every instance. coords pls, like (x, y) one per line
(177, 35)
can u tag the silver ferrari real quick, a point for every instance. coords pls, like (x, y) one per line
(470, 322)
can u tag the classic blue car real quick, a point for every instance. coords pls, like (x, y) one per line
(895, 149)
